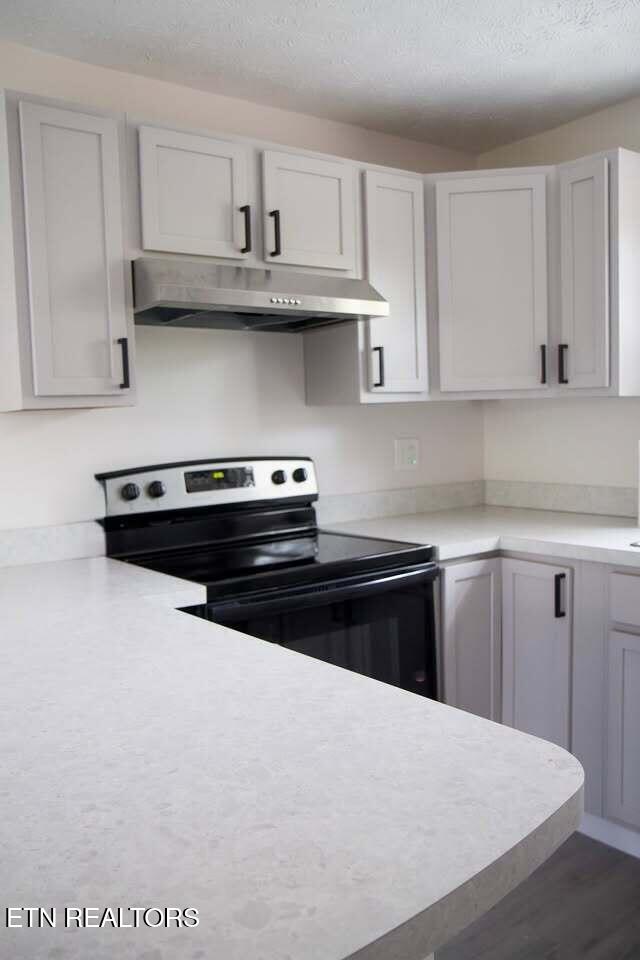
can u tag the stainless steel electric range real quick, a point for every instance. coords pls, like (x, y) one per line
(247, 530)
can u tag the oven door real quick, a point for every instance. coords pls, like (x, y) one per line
(380, 625)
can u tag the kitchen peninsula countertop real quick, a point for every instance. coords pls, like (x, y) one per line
(307, 813)
(469, 531)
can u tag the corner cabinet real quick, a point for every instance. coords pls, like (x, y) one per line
(534, 275)
(536, 649)
(309, 211)
(380, 359)
(193, 194)
(492, 281)
(471, 650)
(65, 321)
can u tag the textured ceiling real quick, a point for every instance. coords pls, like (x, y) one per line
(464, 73)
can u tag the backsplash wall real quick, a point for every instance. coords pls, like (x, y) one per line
(203, 393)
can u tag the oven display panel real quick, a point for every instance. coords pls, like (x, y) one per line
(227, 478)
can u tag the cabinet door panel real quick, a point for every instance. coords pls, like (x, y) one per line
(623, 728)
(492, 281)
(315, 200)
(536, 644)
(192, 189)
(471, 637)
(584, 205)
(71, 179)
(396, 268)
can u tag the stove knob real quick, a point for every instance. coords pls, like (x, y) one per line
(278, 476)
(130, 491)
(300, 474)
(156, 489)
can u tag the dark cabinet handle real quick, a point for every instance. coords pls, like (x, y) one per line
(276, 229)
(557, 599)
(126, 380)
(562, 359)
(543, 363)
(246, 209)
(380, 381)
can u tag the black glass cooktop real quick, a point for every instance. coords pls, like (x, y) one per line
(283, 560)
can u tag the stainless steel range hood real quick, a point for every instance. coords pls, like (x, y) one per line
(188, 293)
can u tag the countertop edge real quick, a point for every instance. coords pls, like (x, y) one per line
(432, 928)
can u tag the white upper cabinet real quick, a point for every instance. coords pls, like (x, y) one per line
(492, 281)
(194, 195)
(536, 649)
(309, 211)
(74, 253)
(583, 353)
(395, 257)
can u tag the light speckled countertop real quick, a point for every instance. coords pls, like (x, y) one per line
(153, 759)
(474, 530)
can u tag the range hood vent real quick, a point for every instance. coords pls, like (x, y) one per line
(188, 293)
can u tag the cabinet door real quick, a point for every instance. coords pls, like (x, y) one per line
(394, 238)
(71, 181)
(622, 786)
(471, 637)
(492, 281)
(194, 194)
(309, 211)
(584, 205)
(536, 649)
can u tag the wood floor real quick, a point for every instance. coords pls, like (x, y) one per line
(584, 902)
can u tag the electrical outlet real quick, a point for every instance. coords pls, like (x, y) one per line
(407, 453)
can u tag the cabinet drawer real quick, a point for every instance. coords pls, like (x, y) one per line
(624, 598)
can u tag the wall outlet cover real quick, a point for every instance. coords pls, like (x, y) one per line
(407, 453)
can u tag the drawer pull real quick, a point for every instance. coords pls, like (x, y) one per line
(558, 580)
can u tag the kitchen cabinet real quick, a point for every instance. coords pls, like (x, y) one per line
(471, 650)
(536, 648)
(599, 340)
(309, 211)
(583, 353)
(622, 787)
(395, 258)
(382, 359)
(532, 274)
(66, 326)
(491, 238)
(194, 194)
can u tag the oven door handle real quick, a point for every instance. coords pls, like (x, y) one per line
(332, 591)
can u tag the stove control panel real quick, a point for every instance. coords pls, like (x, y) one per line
(174, 486)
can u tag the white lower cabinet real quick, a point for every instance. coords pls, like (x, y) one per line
(471, 635)
(553, 651)
(622, 772)
(622, 701)
(536, 649)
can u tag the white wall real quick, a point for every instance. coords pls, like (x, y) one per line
(205, 393)
(591, 442)
(568, 441)
(214, 393)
